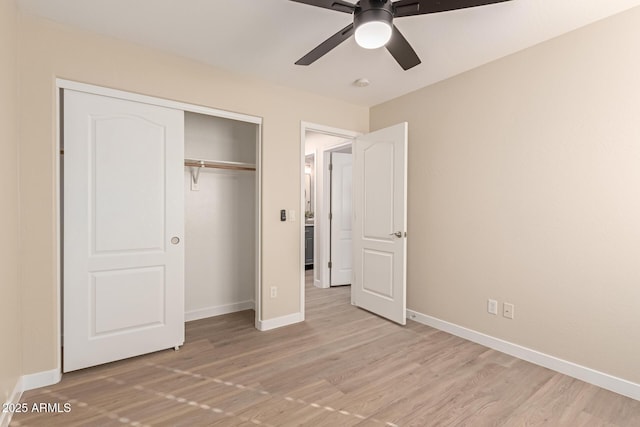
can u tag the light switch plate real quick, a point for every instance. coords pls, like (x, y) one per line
(492, 306)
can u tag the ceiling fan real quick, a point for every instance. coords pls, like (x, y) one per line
(373, 25)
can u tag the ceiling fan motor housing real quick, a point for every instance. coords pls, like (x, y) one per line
(373, 10)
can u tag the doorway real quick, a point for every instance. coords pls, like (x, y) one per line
(317, 144)
(379, 189)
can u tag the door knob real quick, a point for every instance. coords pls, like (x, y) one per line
(175, 240)
(397, 234)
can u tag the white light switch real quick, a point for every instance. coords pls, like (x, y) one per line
(292, 215)
(492, 306)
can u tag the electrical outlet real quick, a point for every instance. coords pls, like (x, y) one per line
(507, 310)
(274, 292)
(492, 306)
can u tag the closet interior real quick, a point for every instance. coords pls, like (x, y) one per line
(220, 215)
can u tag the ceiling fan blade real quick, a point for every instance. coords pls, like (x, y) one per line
(422, 7)
(326, 46)
(402, 51)
(340, 6)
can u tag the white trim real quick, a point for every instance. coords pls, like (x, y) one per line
(203, 313)
(258, 201)
(115, 93)
(14, 399)
(278, 322)
(327, 130)
(41, 379)
(591, 376)
(301, 262)
(59, 238)
(26, 383)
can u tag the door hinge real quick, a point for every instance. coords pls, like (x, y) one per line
(330, 216)
(330, 166)
(330, 264)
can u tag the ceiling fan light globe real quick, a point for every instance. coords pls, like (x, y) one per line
(373, 34)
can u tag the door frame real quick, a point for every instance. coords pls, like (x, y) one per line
(322, 230)
(187, 107)
(326, 130)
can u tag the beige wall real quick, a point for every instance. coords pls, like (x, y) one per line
(48, 51)
(10, 334)
(524, 186)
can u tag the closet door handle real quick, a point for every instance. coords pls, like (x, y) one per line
(175, 240)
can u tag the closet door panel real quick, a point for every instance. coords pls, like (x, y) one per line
(128, 183)
(137, 295)
(123, 229)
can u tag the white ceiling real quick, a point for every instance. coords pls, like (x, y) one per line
(264, 38)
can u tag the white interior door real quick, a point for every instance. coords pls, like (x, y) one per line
(123, 229)
(380, 222)
(341, 219)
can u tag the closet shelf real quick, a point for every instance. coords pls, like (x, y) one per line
(197, 164)
(219, 164)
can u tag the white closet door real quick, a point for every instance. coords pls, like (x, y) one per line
(123, 229)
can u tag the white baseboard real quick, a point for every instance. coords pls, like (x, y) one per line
(14, 398)
(41, 379)
(203, 313)
(26, 383)
(591, 376)
(278, 322)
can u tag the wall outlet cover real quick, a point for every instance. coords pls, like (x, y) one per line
(507, 310)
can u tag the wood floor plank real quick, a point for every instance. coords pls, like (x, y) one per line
(341, 367)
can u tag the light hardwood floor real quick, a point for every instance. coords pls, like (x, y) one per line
(341, 367)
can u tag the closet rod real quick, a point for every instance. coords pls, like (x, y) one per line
(219, 165)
